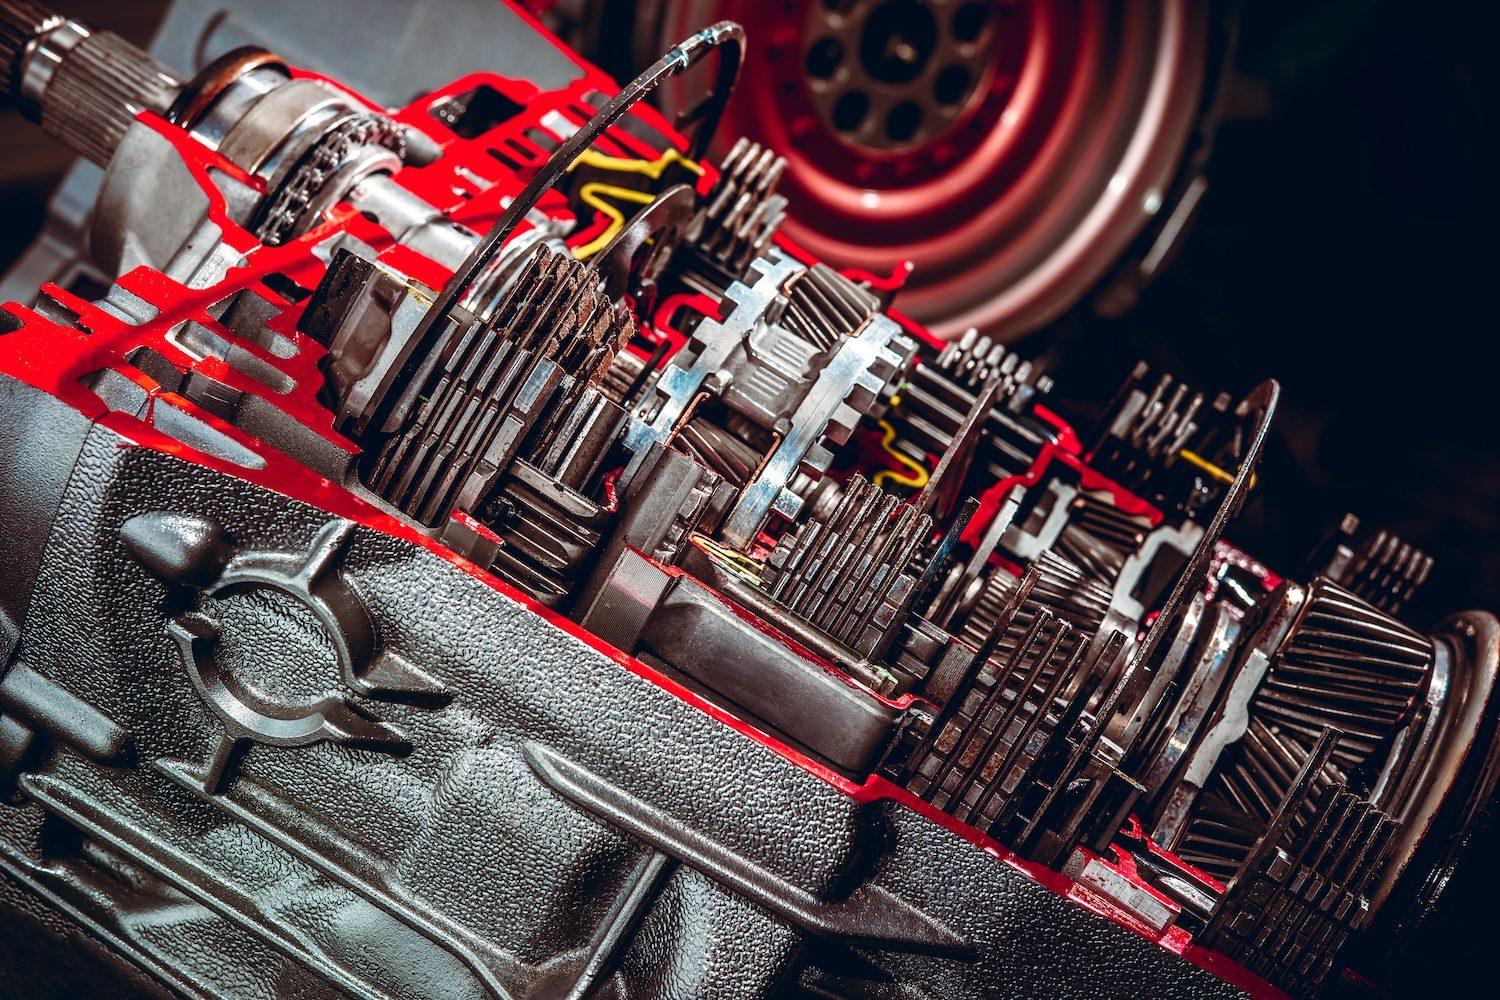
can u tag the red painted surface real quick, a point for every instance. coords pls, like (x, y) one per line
(928, 191)
(1076, 469)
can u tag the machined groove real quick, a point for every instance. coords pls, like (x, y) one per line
(552, 334)
(837, 573)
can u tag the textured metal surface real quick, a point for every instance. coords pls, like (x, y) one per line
(287, 652)
(37, 455)
(334, 871)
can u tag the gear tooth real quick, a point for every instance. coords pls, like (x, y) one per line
(841, 424)
(1342, 847)
(850, 573)
(744, 193)
(425, 476)
(887, 361)
(1345, 665)
(1386, 571)
(1061, 589)
(818, 458)
(1348, 665)
(286, 211)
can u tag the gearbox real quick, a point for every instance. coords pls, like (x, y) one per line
(472, 549)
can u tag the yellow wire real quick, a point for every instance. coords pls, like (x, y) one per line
(919, 475)
(739, 562)
(1198, 461)
(590, 193)
(626, 165)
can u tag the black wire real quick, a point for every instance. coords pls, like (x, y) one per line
(676, 59)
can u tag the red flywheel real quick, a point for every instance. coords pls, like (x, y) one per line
(1015, 151)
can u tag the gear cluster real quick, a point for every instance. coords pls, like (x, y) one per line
(484, 522)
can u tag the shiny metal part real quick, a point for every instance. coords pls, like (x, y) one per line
(84, 87)
(1091, 679)
(1230, 718)
(352, 149)
(798, 392)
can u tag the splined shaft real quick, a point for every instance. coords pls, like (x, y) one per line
(21, 22)
(84, 87)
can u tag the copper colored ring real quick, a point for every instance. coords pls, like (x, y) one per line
(217, 77)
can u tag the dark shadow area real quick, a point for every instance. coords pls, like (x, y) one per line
(1346, 249)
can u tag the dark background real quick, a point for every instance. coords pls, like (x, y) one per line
(1346, 248)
